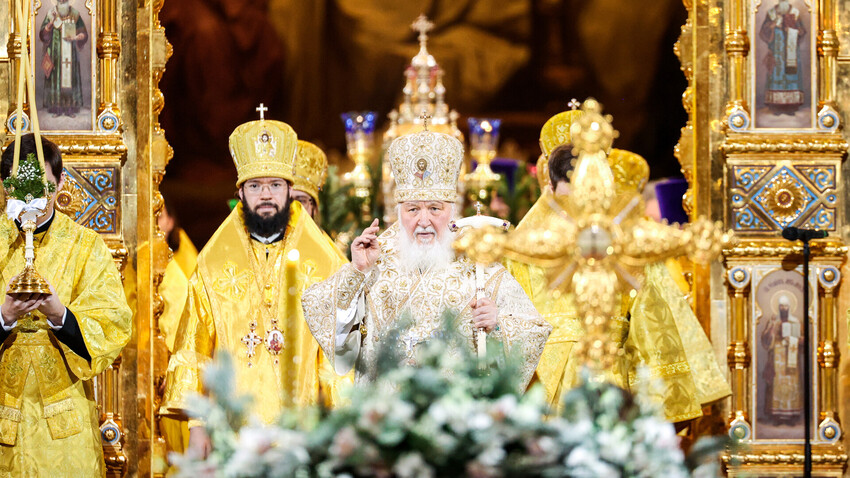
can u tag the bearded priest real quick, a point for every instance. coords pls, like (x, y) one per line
(410, 270)
(237, 296)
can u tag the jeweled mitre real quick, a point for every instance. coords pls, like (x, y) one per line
(311, 169)
(426, 166)
(263, 148)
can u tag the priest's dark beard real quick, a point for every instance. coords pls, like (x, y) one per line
(266, 226)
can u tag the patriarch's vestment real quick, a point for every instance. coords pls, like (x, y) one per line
(351, 312)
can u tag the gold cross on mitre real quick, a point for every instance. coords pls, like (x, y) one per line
(599, 243)
(425, 117)
(573, 104)
(262, 109)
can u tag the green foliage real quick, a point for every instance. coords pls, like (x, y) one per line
(341, 211)
(29, 182)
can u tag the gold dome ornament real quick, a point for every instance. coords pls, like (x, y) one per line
(600, 243)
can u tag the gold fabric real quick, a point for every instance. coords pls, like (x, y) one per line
(662, 333)
(391, 291)
(311, 169)
(263, 149)
(48, 419)
(665, 335)
(186, 255)
(226, 293)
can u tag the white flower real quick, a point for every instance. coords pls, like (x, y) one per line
(345, 442)
(614, 445)
(492, 456)
(504, 407)
(411, 465)
(586, 463)
(575, 432)
(479, 421)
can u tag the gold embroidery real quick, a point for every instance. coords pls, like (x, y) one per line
(231, 283)
(9, 413)
(350, 286)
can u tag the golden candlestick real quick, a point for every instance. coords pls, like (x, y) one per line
(289, 361)
(483, 138)
(29, 281)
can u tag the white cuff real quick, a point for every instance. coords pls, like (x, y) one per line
(7, 328)
(61, 322)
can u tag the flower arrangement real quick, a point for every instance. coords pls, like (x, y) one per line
(30, 182)
(442, 417)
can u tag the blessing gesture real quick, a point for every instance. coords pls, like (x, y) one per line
(365, 248)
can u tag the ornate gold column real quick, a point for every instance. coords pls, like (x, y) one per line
(152, 52)
(739, 355)
(827, 48)
(108, 51)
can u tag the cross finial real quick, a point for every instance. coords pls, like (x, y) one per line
(423, 26)
(262, 109)
(425, 117)
(478, 208)
(573, 104)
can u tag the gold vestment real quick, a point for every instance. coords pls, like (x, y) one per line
(390, 291)
(235, 277)
(48, 416)
(661, 332)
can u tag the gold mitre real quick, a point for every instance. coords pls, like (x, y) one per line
(426, 166)
(631, 171)
(262, 149)
(556, 130)
(311, 169)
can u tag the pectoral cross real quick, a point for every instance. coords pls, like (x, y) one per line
(251, 340)
(262, 109)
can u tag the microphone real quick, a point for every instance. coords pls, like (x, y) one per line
(797, 233)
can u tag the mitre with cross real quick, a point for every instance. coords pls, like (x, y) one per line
(601, 241)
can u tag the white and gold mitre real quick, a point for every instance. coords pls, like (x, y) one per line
(311, 169)
(426, 166)
(262, 149)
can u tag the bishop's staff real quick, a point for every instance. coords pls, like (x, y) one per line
(479, 221)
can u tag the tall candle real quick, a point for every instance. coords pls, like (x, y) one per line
(290, 358)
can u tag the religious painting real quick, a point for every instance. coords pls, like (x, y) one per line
(778, 320)
(842, 27)
(63, 62)
(783, 36)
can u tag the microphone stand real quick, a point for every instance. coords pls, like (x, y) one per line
(807, 364)
(806, 235)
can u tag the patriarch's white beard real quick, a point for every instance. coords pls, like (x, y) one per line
(414, 255)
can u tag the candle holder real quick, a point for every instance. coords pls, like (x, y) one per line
(484, 140)
(360, 139)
